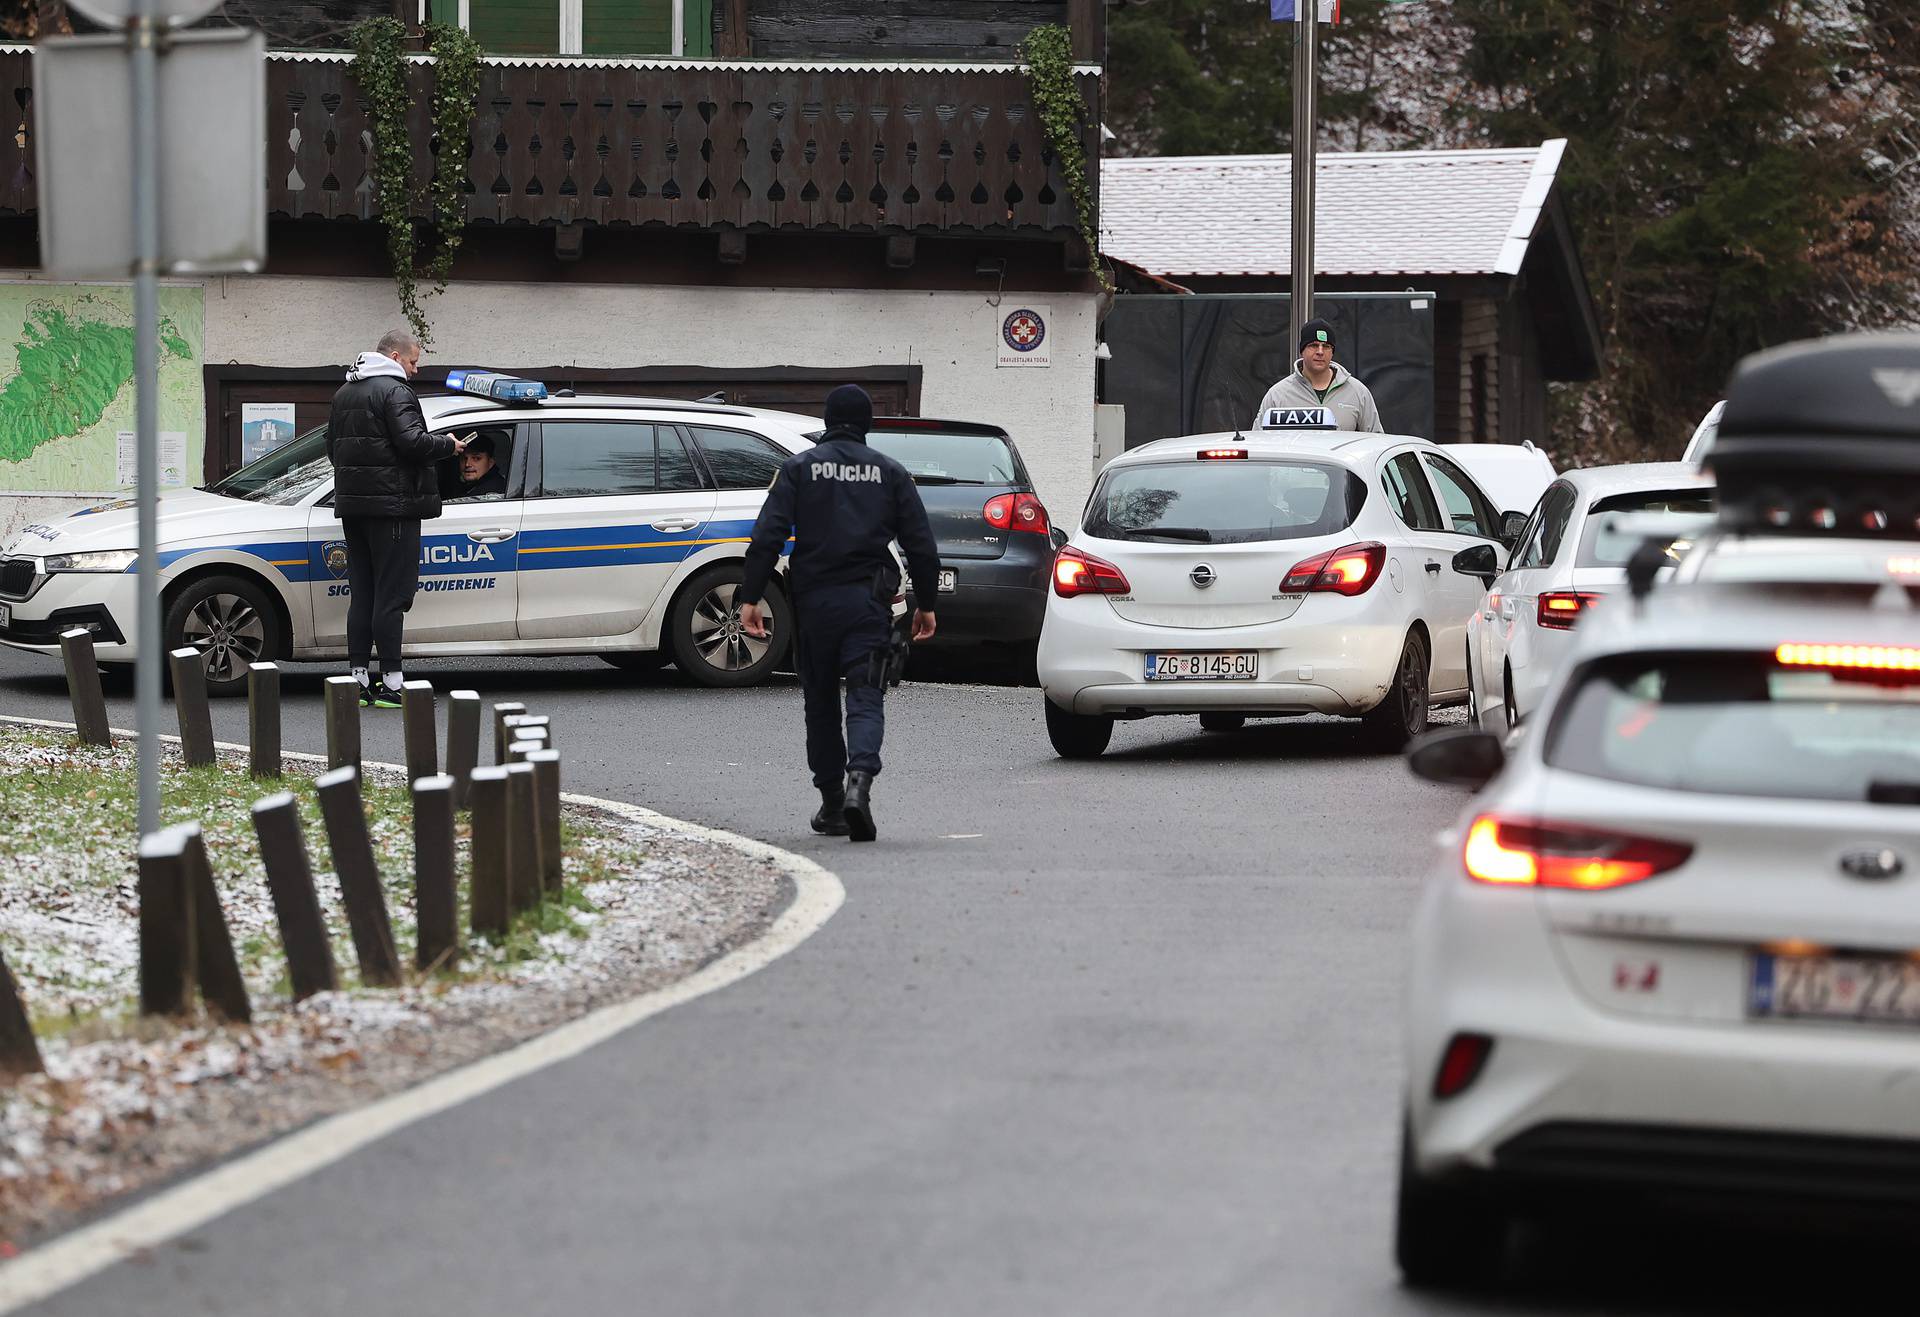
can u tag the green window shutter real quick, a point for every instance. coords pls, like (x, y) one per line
(627, 27)
(515, 27)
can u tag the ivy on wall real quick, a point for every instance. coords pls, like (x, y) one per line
(1047, 53)
(380, 67)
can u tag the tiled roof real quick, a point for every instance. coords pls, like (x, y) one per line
(1384, 212)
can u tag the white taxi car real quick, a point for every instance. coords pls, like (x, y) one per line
(1278, 572)
(621, 533)
(1669, 949)
(1562, 567)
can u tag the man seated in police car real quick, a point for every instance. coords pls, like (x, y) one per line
(843, 503)
(1319, 381)
(479, 474)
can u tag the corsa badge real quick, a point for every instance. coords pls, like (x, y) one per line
(334, 555)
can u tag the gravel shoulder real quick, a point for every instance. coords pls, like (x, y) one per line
(127, 1104)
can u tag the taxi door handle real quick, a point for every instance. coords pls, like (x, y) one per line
(492, 536)
(1433, 567)
(670, 525)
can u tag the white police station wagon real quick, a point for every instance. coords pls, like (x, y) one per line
(621, 533)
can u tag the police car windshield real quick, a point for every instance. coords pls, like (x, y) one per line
(1236, 502)
(948, 457)
(285, 476)
(1742, 724)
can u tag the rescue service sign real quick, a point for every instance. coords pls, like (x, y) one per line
(1025, 334)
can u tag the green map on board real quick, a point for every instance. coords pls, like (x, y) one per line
(66, 382)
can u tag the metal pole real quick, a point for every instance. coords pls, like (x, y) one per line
(1306, 30)
(144, 61)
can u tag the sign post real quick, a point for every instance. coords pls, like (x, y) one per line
(188, 133)
(1306, 30)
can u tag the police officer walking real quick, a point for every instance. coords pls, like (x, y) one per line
(843, 502)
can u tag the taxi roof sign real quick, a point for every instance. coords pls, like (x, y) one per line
(1298, 418)
(492, 384)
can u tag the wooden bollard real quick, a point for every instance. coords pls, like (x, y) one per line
(83, 687)
(276, 821)
(19, 1054)
(343, 722)
(529, 726)
(546, 792)
(463, 741)
(523, 837)
(491, 908)
(416, 718)
(361, 890)
(518, 751)
(189, 672)
(166, 924)
(216, 967)
(263, 720)
(435, 890)
(501, 712)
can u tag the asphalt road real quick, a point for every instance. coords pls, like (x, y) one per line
(1108, 1038)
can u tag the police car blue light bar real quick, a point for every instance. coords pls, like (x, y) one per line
(1298, 418)
(491, 384)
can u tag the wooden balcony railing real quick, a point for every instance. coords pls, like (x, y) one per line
(917, 148)
(18, 194)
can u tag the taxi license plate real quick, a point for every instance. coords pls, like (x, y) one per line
(1233, 665)
(1880, 989)
(947, 575)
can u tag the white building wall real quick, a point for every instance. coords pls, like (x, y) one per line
(953, 336)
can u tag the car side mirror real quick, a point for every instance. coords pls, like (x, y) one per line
(1511, 524)
(1457, 758)
(1058, 538)
(1481, 561)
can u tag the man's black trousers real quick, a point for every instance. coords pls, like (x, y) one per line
(383, 571)
(838, 627)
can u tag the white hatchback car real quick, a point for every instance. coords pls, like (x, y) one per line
(1561, 568)
(621, 533)
(1272, 573)
(1669, 947)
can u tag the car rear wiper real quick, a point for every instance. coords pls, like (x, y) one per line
(945, 480)
(1185, 534)
(1893, 793)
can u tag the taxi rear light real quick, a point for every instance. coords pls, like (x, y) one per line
(1221, 454)
(1508, 853)
(1076, 573)
(1461, 1063)
(1560, 609)
(1017, 512)
(1875, 658)
(1351, 570)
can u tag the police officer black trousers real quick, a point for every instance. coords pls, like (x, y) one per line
(838, 629)
(383, 571)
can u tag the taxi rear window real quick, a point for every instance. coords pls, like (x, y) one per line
(1225, 502)
(1744, 724)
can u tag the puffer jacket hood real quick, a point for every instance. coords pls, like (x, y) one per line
(370, 364)
(381, 452)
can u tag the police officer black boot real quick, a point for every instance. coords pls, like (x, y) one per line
(859, 806)
(830, 819)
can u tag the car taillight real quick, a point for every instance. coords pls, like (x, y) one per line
(1351, 570)
(1017, 512)
(1871, 658)
(1560, 609)
(1460, 1064)
(1569, 855)
(1075, 573)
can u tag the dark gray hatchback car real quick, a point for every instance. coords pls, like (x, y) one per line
(996, 542)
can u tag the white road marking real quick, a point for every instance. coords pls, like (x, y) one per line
(960, 836)
(71, 1258)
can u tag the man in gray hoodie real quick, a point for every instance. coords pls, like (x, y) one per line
(1319, 381)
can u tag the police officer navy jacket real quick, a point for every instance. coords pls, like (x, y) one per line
(847, 502)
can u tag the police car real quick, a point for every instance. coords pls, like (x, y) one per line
(621, 534)
(1294, 569)
(1669, 948)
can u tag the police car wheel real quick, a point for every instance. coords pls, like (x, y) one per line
(1077, 735)
(1402, 715)
(709, 644)
(231, 622)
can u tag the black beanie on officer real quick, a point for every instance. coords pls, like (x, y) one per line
(849, 408)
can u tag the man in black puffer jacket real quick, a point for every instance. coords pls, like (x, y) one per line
(384, 486)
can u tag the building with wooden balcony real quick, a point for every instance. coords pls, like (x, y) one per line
(758, 198)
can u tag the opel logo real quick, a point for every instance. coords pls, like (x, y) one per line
(1201, 576)
(1871, 864)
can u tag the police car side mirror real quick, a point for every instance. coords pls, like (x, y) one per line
(1480, 561)
(1511, 524)
(1457, 758)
